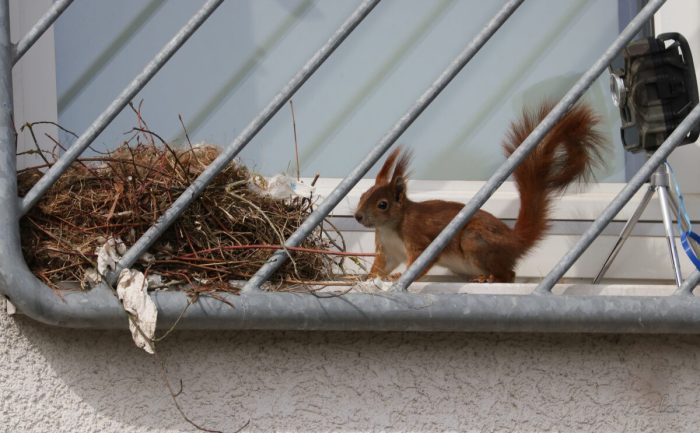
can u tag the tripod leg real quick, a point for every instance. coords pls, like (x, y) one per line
(626, 230)
(666, 206)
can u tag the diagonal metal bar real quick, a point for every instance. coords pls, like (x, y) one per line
(689, 284)
(619, 202)
(39, 28)
(505, 170)
(278, 258)
(198, 185)
(117, 105)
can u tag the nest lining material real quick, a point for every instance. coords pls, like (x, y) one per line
(226, 234)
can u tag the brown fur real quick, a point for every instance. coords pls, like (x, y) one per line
(485, 249)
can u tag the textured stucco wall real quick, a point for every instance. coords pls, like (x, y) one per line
(68, 381)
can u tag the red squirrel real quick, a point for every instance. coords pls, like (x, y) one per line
(486, 249)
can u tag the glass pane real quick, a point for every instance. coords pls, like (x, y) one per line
(249, 49)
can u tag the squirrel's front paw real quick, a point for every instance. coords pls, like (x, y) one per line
(393, 277)
(483, 279)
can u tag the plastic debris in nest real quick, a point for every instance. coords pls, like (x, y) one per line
(374, 285)
(285, 187)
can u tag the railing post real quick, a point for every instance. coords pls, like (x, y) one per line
(9, 217)
(689, 284)
(8, 159)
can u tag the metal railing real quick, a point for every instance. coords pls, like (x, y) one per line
(395, 310)
(39, 28)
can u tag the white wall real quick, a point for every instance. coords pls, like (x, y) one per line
(57, 380)
(33, 79)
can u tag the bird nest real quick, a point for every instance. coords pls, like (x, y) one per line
(225, 235)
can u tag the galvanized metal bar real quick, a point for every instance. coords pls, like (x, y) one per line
(670, 238)
(117, 105)
(340, 191)
(619, 201)
(527, 146)
(439, 312)
(689, 284)
(39, 28)
(394, 311)
(198, 185)
(626, 231)
(9, 219)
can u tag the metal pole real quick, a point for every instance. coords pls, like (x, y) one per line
(8, 186)
(39, 28)
(689, 284)
(626, 231)
(198, 185)
(619, 201)
(9, 218)
(117, 105)
(505, 170)
(279, 257)
(668, 226)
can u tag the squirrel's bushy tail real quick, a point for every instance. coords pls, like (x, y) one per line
(567, 154)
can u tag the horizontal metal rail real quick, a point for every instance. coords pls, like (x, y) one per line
(392, 311)
(117, 105)
(340, 191)
(39, 28)
(528, 145)
(619, 201)
(230, 152)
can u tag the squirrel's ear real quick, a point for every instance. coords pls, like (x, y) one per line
(401, 169)
(398, 179)
(384, 174)
(399, 188)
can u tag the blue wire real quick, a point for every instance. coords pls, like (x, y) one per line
(682, 212)
(686, 235)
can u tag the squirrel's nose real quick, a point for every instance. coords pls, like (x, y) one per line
(358, 217)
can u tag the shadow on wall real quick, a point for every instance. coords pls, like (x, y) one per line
(465, 133)
(336, 381)
(223, 93)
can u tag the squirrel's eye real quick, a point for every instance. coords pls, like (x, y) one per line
(383, 204)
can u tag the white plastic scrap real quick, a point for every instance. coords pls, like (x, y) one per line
(91, 278)
(284, 187)
(108, 254)
(373, 286)
(132, 290)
